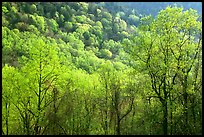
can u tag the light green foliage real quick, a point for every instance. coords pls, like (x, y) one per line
(119, 66)
(12, 94)
(24, 18)
(38, 21)
(21, 26)
(97, 31)
(105, 23)
(33, 8)
(116, 28)
(120, 14)
(4, 10)
(10, 45)
(105, 53)
(81, 19)
(112, 46)
(98, 11)
(124, 58)
(123, 25)
(99, 24)
(85, 68)
(133, 18)
(4, 21)
(82, 28)
(75, 42)
(89, 62)
(53, 25)
(14, 10)
(84, 6)
(8, 72)
(33, 29)
(167, 50)
(107, 16)
(68, 26)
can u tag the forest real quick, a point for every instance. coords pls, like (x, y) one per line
(101, 68)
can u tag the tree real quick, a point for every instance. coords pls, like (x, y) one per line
(4, 10)
(42, 69)
(133, 19)
(81, 19)
(68, 26)
(32, 8)
(120, 14)
(53, 25)
(107, 16)
(10, 43)
(99, 24)
(122, 99)
(165, 41)
(105, 75)
(38, 21)
(112, 46)
(75, 42)
(105, 53)
(7, 100)
(21, 26)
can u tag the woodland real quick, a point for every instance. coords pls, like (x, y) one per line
(101, 68)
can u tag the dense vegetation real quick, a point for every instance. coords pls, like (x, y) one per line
(99, 68)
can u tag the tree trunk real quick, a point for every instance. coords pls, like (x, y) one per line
(132, 121)
(7, 117)
(37, 128)
(165, 108)
(171, 108)
(171, 117)
(116, 100)
(118, 126)
(106, 109)
(165, 118)
(185, 95)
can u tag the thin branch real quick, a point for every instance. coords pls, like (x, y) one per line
(128, 111)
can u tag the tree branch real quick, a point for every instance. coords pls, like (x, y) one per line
(128, 111)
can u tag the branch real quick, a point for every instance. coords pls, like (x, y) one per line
(46, 89)
(48, 75)
(128, 111)
(19, 110)
(154, 87)
(196, 54)
(153, 97)
(62, 128)
(173, 53)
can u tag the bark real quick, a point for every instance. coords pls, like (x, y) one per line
(132, 121)
(117, 112)
(165, 118)
(106, 109)
(7, 117)
(171, 116)
(185, 96)
(37, 128)
(165, 108)
(2, 132)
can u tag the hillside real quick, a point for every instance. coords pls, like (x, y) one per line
(88, 30)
